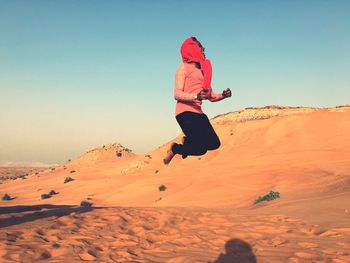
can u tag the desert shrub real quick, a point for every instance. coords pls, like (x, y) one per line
(53, 192)
(68, 179)
(128, 150)
(45, 196)
(23, 176)
(119, 154)
(162, 187)
(85, 203)
(6, 197)
(13, 177)
(268, 197)
(72, 171)
(156, 171)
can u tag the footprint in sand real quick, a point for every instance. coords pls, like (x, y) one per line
(278, 241)
(329, 233)
(308, 231)
(273, 229)
(86, 256)
(341, 260)
(42, 254)
(39, 232)
(57, 250)
(293, 260)
(146, 244)
(307, 245)
(278, 218)
(305, 255)
(13, 236)
(15, 257)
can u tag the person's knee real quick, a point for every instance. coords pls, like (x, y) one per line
(202, 151)
(215, 145)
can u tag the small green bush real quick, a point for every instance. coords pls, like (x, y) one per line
(268, 197)
(85, 203)
(6, 197)
(45, 196)
(162, 187)
(13, 177)
(68, 179)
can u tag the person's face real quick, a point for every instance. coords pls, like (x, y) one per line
(200, 46)
(203, 51)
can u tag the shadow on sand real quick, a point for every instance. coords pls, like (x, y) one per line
(237, 251)
(34, 212)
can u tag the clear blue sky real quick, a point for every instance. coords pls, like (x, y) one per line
(79, 74)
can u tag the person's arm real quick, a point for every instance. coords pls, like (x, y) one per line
(216, 97)
(179, 93)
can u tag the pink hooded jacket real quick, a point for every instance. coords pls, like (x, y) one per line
(189, 80)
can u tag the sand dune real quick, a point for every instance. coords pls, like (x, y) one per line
(208, 202)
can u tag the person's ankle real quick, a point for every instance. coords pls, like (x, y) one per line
(173, 147)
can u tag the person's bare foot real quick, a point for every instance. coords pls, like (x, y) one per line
(169, 155)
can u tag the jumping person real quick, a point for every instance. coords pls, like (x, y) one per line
(192, 85)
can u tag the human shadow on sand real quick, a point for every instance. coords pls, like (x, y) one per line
(237, 251)
(23, 214)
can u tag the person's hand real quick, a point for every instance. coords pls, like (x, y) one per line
(203, 95)
(226, 93)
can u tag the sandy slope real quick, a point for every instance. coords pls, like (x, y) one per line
(130, 234)
(302, 153)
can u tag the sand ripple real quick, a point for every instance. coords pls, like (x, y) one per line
(168, 235)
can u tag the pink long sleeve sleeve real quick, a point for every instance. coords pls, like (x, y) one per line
(179, 93)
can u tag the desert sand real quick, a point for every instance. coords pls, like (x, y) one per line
(207, 212)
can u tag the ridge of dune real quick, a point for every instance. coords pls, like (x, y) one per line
(28, 164)
(261, 113)
(105, 153)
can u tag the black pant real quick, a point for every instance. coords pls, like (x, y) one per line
(200, 135)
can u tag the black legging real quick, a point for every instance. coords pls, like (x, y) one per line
(200, 135)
